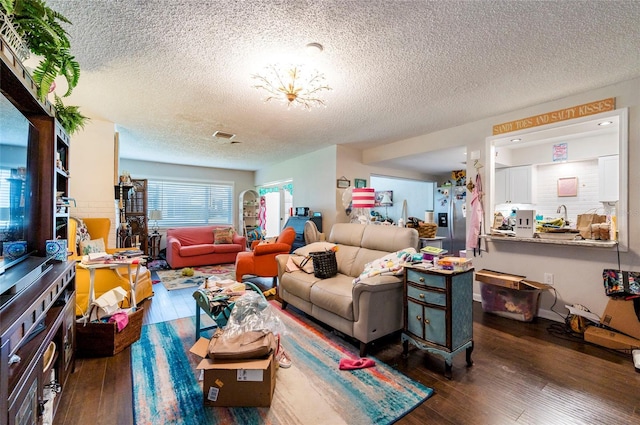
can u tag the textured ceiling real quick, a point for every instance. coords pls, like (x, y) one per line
(170, 73)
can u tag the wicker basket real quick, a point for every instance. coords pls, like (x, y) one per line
(324, 264)
(96, 339)
(427, 230)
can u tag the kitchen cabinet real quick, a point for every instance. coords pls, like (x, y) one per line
(608, 178)
(438, 313)
(515, 185)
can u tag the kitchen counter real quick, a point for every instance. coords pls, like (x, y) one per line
(584, 242)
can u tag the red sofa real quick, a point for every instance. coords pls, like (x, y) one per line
(195, 246)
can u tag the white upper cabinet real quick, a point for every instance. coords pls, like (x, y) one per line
(608, 178)
(514, 185)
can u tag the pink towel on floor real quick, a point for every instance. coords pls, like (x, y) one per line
(121, 320)
(349, 364)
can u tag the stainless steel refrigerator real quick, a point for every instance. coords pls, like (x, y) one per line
(449, 205)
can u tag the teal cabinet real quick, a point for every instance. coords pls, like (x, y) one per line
(438, 313)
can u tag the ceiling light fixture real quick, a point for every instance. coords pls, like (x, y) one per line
(293, 86)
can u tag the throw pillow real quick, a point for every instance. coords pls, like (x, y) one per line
(82, 233)
(269, 240)
(223, 236)
(299, 261)
(314, 247)
(95, 245)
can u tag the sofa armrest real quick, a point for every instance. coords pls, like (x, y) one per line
(239, 239)
(271, 248)
(375, 284)
(282, 260)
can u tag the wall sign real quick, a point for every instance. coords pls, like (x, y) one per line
(555, 116)
(560, 152)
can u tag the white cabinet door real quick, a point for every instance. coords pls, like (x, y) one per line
(608, 178)
(502, 186)
(514, 185)
(521, 185)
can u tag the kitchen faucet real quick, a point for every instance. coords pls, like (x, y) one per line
(566, 218)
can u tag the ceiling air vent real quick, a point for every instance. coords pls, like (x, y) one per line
(224, 136)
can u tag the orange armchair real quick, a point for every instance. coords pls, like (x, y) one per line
(105, 279)
(261, 260)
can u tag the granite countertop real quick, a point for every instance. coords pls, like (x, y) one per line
(583, 242)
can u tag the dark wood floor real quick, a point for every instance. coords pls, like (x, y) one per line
(523, 373)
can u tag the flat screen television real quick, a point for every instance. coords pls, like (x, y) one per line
(18, 141)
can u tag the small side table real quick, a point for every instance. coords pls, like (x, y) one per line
(438, 313)
(154, 245)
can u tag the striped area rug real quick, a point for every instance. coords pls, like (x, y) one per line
(312, 391)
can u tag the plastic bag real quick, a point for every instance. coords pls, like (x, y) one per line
(252, 312)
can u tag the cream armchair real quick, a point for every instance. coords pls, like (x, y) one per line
(105, 279)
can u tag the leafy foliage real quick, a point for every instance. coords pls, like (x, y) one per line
(69, 116)
(41, 27)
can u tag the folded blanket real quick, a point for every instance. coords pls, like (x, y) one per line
(390, 264)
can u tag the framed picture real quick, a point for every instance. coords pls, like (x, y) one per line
(360, 183)
(343, 183)
(568, 186)
(384, 198)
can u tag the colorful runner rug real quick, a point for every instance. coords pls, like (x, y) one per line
(312, 391)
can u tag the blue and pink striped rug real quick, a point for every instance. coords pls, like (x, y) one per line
(312, 391)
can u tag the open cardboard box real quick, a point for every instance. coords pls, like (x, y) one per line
(619, 314)
(242, 383)
(610, 339)
(510, 281)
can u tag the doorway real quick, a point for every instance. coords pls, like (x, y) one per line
(277, 202)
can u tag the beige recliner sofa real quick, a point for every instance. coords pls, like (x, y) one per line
(366, 311)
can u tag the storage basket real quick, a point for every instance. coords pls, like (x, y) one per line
(427, 230)
(324, 264)
(99, 339)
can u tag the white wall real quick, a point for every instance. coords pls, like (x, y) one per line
(242, 180)
(577, 271)
(310, 174)
(92, 173)
(314, 178)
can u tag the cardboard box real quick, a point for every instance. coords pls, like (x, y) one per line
(620, 315)
(610, 339)
(246, 383)
(506, 280)
(525, 223)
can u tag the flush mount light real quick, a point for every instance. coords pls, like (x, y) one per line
(292, 85)
(605, 123)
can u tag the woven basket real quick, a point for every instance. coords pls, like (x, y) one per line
(324, 264)
(98, 339)
(427, 230)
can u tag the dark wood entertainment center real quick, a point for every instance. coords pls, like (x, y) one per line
(40, 313)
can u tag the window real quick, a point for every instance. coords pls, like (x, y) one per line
(191, 204)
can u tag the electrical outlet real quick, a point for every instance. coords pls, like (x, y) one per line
(548, 278)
